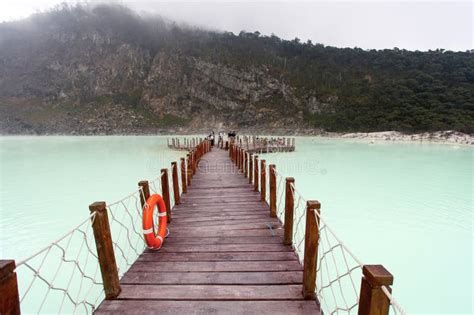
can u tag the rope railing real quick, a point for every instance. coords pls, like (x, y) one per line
(125, 219)
(64, 277)
(339, 275)
(81, 268)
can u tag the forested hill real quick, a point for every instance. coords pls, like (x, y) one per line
(105, 69)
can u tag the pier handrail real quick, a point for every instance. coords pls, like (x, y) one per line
(330, 267)
(119, 241)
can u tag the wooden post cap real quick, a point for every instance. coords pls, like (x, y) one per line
(377, 275)
(313, 204)
(6, 268)
(143, 183)
(97, 206)
(290, 179)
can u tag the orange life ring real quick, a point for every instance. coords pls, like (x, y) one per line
(154, 240)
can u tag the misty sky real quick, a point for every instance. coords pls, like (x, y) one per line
(376, 24)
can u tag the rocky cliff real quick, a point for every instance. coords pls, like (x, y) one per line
(106, 70)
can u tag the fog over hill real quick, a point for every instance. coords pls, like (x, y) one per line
(107, 70)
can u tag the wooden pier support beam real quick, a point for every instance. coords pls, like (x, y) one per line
(174, 170)
(289, 211)
(311, 241)
(165, 191)
(145, 193)
(9, 298)
(263, 181)
(183, 176)
(105, 250)
(273, 192)
(373, 300)
(255, 173)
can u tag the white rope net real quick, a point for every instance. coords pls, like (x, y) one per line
(339, 271)
(63, 277)
(125, 220)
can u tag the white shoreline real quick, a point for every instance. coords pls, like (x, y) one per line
(438, 137)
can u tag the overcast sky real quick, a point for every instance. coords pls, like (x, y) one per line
(376, 24)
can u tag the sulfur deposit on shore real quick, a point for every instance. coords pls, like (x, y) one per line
(446, 137)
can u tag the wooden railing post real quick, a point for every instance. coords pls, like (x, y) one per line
(241, 160)
(174, 170)
(245, 164)
(373, 300)
(238, 158)
(250, 170)
(188, 169)
(165, 190)
(289, 208)
(183, 175)
(311, 239)
(263, 180)
(9, 298)
(145, 192)
(255, 173)
(273, 192)
(194, 161)
(105, 250)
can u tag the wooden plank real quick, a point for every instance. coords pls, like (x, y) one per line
(208, 307)
(256, 278)
(225, 240)
(223, 222)
(178, 215)
(211, 292)
(204, 218)
(222, 227)
(224, 248)
(217, 256)
(198, 232)
(215, 266)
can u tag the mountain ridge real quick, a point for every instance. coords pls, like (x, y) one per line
(106, 70)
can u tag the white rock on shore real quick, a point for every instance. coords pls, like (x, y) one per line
(448, 137)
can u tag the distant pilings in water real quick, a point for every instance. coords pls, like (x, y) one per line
(256, 144)
(184, 144)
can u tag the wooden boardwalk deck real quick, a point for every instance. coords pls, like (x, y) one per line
(224, 255)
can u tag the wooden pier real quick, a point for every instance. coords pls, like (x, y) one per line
(224, 254)
(227, 251)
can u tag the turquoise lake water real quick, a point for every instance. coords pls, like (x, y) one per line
(407, 206)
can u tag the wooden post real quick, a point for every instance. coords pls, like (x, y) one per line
(311, 240)
(273, 192)
(145, 194)
(289, 208)
(194, 164)
(238, 158)
(255, 173)
(263, 180)
(373, 300)
(165, 191)
(183, 175)
(250, 168)
(105, 250)
(9, 298)
(188, 169)
(174, 170)
(245, 164)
